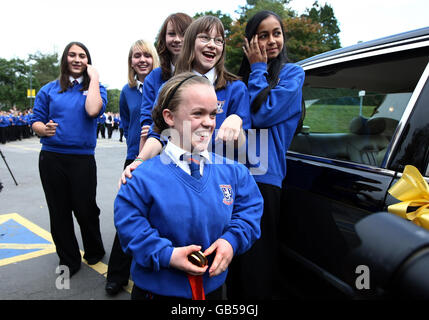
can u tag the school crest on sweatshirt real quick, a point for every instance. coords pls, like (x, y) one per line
(220, 106)
(227, 193)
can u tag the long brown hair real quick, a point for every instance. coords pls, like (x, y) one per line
(65, 72)
(185, 61)
(180, 22)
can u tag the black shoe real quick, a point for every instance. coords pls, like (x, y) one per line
(73, 271)
(94, 260)
(112, 288)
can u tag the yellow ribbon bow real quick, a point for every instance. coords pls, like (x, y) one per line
(413, 191)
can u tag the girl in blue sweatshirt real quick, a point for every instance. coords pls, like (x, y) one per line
(142, 58)
(169, 45)
(203, 53)
(65, 117)
(275, 89)
(215, 209)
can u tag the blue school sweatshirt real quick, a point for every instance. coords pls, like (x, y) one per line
(3, 121)
(101, 119)
(129, 108)
(151, 85)
(76, 130)
(224, 203)
(279, 115)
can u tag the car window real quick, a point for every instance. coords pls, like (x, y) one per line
(353, 108)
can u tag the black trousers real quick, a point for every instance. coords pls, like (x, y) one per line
(109, 130)
(121, 134)
(119, 263)
(3, 135)
(69, 183)
(252, 275)
(101, 128)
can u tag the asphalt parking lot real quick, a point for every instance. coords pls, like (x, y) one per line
(28, 262)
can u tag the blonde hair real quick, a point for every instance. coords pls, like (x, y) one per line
(143, 46)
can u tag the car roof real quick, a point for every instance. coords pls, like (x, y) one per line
(417, 35)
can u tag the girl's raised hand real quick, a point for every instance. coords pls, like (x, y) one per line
(253, 52)
(92, 72)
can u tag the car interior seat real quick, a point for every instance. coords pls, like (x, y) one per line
(368, 144)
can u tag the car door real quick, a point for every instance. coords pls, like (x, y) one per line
(341, 164)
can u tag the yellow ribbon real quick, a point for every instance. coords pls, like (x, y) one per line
(413, 191)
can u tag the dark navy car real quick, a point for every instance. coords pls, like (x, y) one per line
(367, 117)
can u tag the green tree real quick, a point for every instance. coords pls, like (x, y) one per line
(225, 18)
(113, 100)
(13, 83)
(234, 44)
(303, 38)
(330, 29)
(45, 69)
(15, 78)
(306, 35)
(277, 6)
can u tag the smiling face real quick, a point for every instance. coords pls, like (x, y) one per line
(270, 35)
(207, 54)
(141, 62)
(173, 41)
(77, 61)
(195, 117)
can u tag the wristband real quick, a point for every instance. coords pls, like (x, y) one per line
(139, 159)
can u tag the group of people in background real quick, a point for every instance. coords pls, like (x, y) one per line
(185, 119)
(110, 121)
(15, 125)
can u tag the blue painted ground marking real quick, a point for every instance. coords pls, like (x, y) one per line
(9, 253)
(20, 239)
(13, 232)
